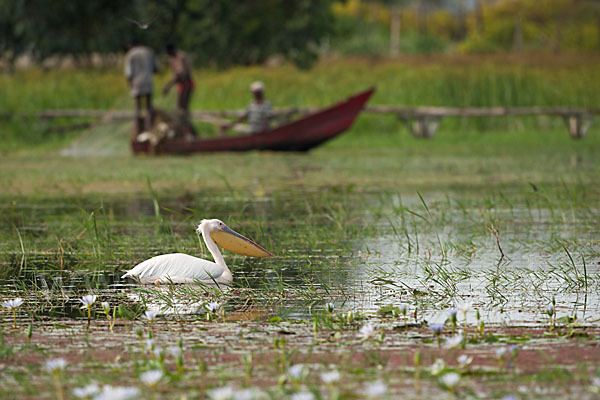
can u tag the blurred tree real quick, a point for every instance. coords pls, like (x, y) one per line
(223, 32)
(13, 31)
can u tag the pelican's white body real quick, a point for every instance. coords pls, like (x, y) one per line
(183, 268)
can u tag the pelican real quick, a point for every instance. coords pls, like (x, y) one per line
(183, 268)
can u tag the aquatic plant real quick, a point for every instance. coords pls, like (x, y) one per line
(87, 301)
(329, 307)
(449, 381)
(374, 390)
(367, 331)
(330, 377)
(437, 367)
(12, 305)
(302, 396)
(55, 366)
(454, 341)
(464, 361)
(110, 392)
(86, 391)
(221, 393)
(437, 331)
(452, 314)
(151, 378)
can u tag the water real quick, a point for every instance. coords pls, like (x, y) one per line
(361, 253)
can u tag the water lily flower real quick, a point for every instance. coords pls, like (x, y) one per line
(152, 377)
(367, 331)
(222, 393)
(303, 396)
(595, 385)
(375, 389)
(438, 366)
(158, 352)
(175, 351)
(329, 307)
(450, 380)
(464, 360)
(454, 341)
(250, 394)
(296, 371)
(12, 304)
(465, 307)
(149, 344)
(150, 315)
(86, 391)
(509, 397)
(118, 393)
(105, 306)
(55, 365)
(501, 352)
(452, 312)
(212, 307)
(550, 310)
(436, 328)
(330, 376)
(88, 300)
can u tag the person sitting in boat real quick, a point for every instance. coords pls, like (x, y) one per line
(258, 114)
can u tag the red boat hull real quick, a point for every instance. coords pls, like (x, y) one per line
(300, 135)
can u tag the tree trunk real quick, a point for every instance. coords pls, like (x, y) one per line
(395, 26)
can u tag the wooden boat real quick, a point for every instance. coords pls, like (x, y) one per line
(299, 135)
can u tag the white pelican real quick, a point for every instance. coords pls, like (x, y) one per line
(183, 268)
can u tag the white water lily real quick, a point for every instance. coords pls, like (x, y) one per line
(55, 364)
(438, 366)
(450, 379)
(595, 385)
(296, 371)
(367, 331)
(88, 299)
(117, 393)
(158, 351)
(86, 391)
(375, 389)
(501, 352)
(175, 351)
(465, 307)
(222, 393)
(330, 376)
(250, 394)
(152, 377)
(303, 396)
(150, 315)
(12, 304)
(329, 307)
(464, 360)
(149, 343)
(105, 306)
(212, 307)
(454, 341)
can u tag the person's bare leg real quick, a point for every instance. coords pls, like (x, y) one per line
(139, 127)
(183, 103)
(149, 112)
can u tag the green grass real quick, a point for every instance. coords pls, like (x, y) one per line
(435, 82)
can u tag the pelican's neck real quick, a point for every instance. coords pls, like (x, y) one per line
(213, 248)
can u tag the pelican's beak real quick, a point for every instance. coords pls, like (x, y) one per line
(233, 241)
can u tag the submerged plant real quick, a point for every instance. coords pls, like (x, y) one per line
(12, 305)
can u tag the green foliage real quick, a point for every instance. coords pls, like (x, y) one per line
(224, 32)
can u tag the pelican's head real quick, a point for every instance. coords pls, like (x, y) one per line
(230, 239)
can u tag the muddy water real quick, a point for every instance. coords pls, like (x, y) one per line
(326, 251)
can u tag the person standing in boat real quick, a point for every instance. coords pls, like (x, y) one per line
(258, 114)
(181, 66)
(140, 65)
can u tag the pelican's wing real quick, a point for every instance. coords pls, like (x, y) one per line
(178, 268)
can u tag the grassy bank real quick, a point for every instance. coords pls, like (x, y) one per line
(438, 81)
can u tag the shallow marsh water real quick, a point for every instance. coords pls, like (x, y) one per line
(355, 240)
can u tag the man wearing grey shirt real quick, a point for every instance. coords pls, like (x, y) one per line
(258, 114)
(140, 64)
